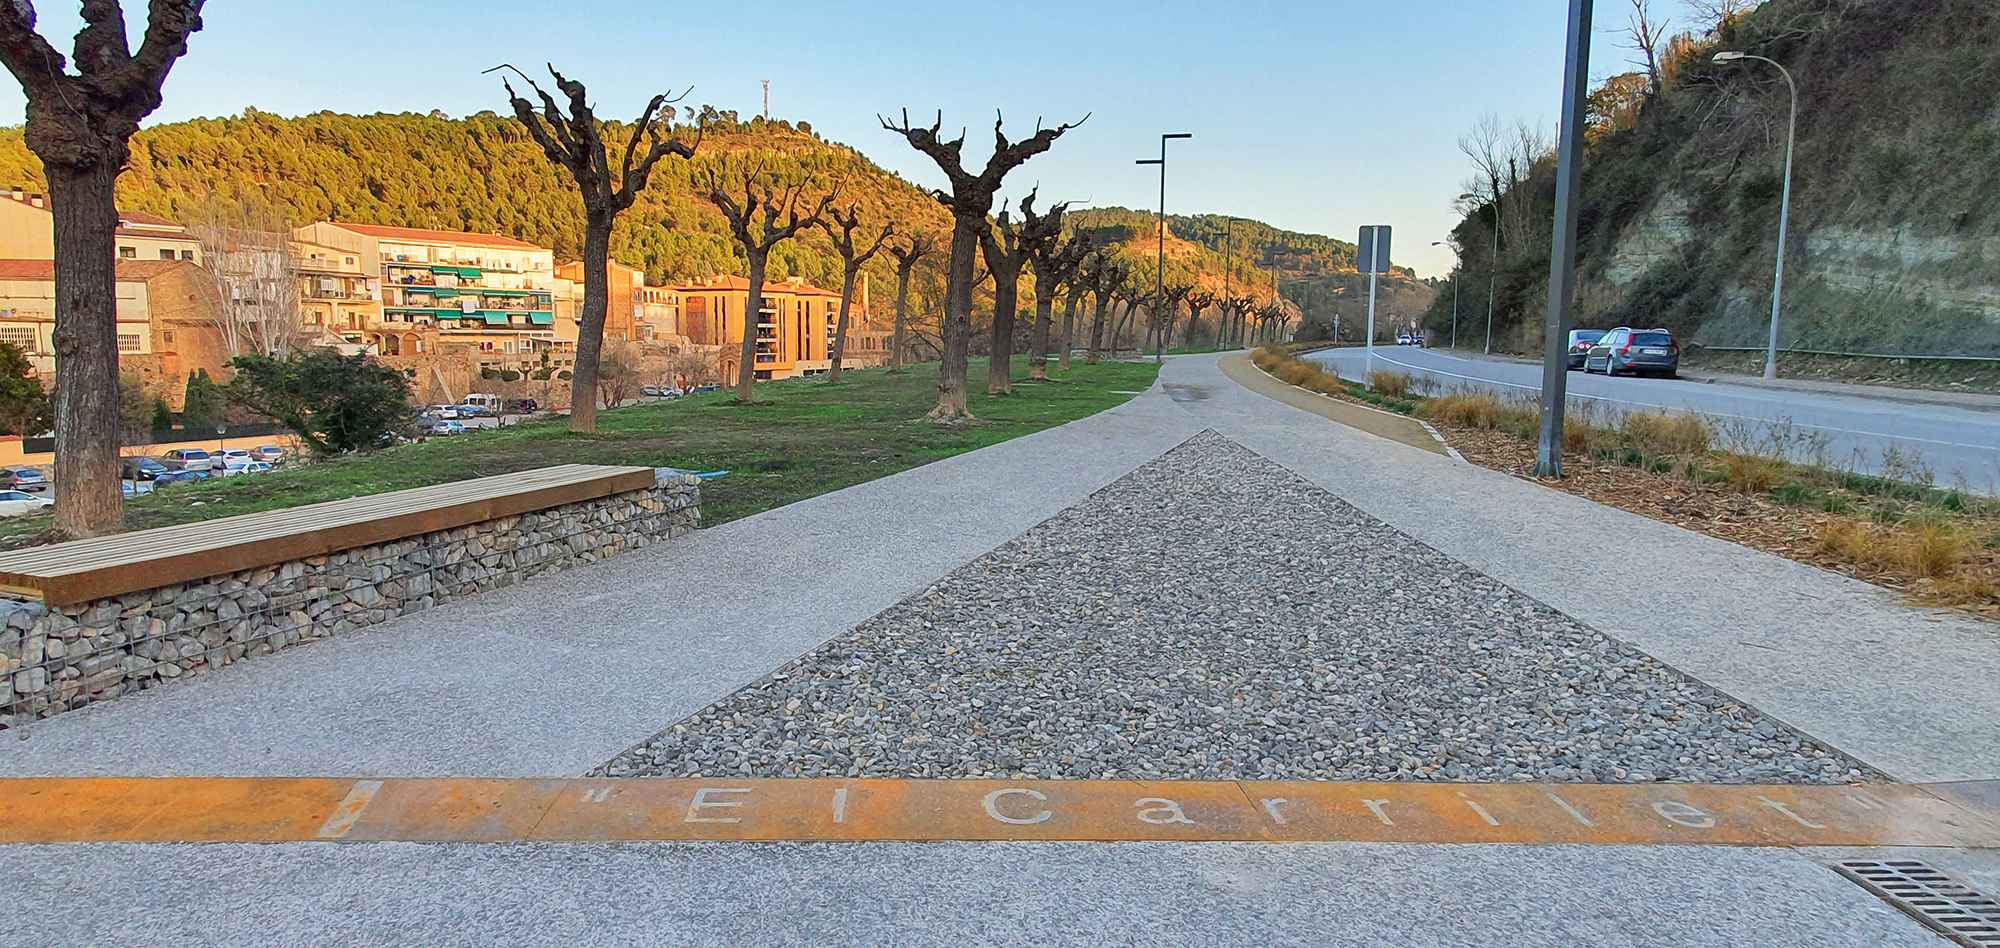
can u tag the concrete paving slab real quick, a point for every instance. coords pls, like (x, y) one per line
(917, 895)
(554, 676)
(1912, 691)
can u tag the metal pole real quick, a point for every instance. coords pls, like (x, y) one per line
(1454, 311)
(1493, 273)
(1160, 264)
(1222, 329)
(1374, 265)
(1784, 225)
(1562, 254)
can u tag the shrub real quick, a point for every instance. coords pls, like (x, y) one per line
(488, 372)
(1750, 474)
(1668, 434)
(563, 375)
(509, 375)
(1923, 550)
(1389, 384)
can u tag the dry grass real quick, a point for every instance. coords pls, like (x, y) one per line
(1933, 551)
(1389, 384)
(1750, 474)
(1660, 434)
(1477, 411)
(1292, 370)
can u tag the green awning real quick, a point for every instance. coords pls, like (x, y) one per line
(491, 291)
(445, 291)
(541, 319)
(470, 273)
(495, 317)
(441, 268)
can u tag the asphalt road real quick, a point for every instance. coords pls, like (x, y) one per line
(1957, 445)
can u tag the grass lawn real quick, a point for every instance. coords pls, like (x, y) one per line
(803, 438)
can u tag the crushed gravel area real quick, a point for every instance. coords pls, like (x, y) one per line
(1211, 616)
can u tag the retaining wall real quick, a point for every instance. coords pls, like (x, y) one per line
(55, 659)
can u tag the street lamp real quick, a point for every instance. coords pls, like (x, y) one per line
(1784, 208)
(1160, 274)
(1228, 230)
(1454, 292)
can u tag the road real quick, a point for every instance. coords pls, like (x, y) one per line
(1878, 436)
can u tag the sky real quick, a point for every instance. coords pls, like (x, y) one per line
(1312, 116)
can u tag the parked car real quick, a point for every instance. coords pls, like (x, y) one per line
(269, 454)
(22, 478)
(1636, 351)
(523, 405)
(142, 469)
(1580, 341)
(234, 466)
(672, 391)
(443, 411)
(194, 459)
(444, 427)
(471, 411)
(709, 387)
(226, 455)
(14, 503)
(650, 391)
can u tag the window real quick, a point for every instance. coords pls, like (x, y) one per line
(166, 255)
(349, 261)
(167, 337)
(129, 253)
(22, 337)
(128, 342)
(187, 255)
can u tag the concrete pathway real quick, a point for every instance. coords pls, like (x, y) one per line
(552, 677)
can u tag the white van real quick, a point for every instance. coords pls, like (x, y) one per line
(489, 403)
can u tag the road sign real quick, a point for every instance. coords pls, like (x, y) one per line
(1371, 253)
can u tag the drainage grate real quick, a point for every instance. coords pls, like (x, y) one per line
(1929, 896)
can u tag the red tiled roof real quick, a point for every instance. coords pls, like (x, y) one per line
(150, 220)
(439, 236)
(129, 271)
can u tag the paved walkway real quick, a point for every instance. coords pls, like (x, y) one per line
(553, 677)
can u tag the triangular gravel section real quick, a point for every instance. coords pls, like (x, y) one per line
(1212, 616)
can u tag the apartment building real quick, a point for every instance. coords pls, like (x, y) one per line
(493, 296)
(794, 329)
(340, 295)
(166, 326)
(28, 232)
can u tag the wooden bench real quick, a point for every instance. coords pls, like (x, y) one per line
(82, 570)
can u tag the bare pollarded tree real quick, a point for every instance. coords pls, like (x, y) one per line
(1170, 313)
(970, 200)
(757, 237)
(1198, 301)
(252, 273)
(840, 228)
(1005, 256)
(1055, 262)
(574, 140)
(1107, 280)
(908, 254)
(80, 125)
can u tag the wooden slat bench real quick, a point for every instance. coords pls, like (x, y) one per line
(82, 570)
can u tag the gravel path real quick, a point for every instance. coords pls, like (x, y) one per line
(1211, 616)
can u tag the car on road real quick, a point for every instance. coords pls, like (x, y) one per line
(142, 469)
(193, 459)
(269, 454)
(234, 466)
(650, 391)
(444, 427)
(14, 503)
(22, 478)
(1410, 339)
(225, 455)
(707, 387)
(1637, 351)
(469, 410)
(443, 411)
(1580, 341)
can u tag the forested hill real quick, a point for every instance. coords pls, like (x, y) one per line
(1896, 194)
(484, 174)
(1315, 272)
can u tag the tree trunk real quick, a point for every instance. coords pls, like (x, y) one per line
(1068, 330)
(902, 308)
(1096, 331)
(746, 364)
(1038, 339)
(88, 501)
(1000, 358)
(840, 326)
(956, 342)
(590, 328)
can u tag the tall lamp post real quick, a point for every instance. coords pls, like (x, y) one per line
(1160, 269)
(1454, 292)
(1228, 229)
(1562, 249)
(1784, 207)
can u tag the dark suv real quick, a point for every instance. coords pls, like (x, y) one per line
(1636, 351)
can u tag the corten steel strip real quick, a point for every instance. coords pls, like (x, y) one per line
(83, 570)
(93, 809)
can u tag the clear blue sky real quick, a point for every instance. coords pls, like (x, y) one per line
(1314, 116)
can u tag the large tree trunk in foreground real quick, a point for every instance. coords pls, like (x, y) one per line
(88, 499)
(746, 366)
(590, 322)
(956, 333)
(902, 310)
(1000, 361)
